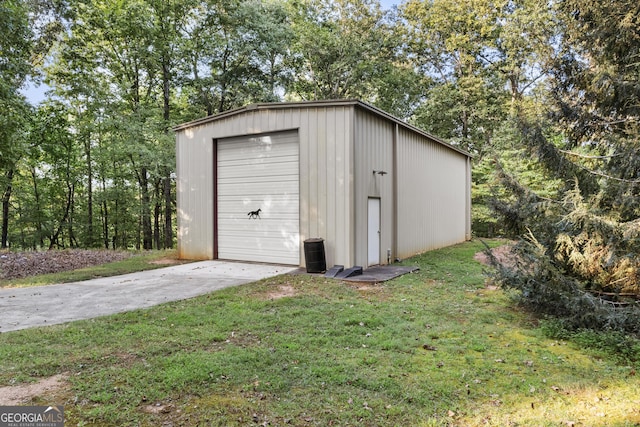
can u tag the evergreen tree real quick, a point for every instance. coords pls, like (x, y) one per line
(580, 255)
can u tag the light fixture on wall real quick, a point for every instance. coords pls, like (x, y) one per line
(379, 172)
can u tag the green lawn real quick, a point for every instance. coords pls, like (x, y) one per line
(432, 348)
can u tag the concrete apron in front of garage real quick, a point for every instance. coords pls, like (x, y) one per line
(22, 308)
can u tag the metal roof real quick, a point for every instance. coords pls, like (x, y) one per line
(314, 104)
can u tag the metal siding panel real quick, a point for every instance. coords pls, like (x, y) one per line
(327, 183)
(331, 191)
(253, 122)
(344, 194)
(321, 173)
(326, 180)
(432, 195)
(316, 138)
(303, 122)
(194, 169)
(373, 145)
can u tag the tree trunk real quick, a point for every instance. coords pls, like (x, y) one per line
(104, 214)
(73, 242)
(6, 196)
(168, 227)
(54, 239)
(116, 226)
(36, 196)
(147, 233)
(464, 120)
(156, 216)
(87, 150)
(168, 211)
(223, 79)
(105, 224)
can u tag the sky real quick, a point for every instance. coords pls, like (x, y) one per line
(388, 4)
(35, 94)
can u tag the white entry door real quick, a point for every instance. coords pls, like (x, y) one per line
(373, 232)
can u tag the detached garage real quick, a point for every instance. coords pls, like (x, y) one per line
(254, 183)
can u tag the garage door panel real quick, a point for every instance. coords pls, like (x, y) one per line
(236, 206)
(277, 248)
(247, 243)
(264, 227)
(254, 154)
(286, 223)
(258, 189)
(259, 173)
(247, 168)
(259, 158)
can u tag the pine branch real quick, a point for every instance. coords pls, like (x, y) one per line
(585, 156)
(627, 181)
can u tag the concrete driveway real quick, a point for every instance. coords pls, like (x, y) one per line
(22, 308)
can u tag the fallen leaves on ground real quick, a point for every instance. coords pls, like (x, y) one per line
(16, 265)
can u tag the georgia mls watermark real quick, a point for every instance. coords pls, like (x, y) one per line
(31, 416)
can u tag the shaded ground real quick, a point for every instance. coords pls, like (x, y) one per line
(16, 265)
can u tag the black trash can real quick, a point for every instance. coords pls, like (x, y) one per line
(314, 255)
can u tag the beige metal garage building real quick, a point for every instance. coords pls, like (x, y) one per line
(373, 187)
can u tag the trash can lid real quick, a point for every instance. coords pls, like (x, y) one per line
(314, 240)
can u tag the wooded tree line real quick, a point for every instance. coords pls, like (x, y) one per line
(544, 94)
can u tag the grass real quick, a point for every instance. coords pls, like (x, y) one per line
(432, 348)
(139, 262)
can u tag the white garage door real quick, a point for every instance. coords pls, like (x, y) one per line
(259, 173)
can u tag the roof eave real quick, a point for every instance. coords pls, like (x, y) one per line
(312, 104)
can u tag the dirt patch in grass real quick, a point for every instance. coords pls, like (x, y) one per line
(19, 394)
(504, 254)
(370, 291)
(158, 408)
(365, 287)
(299, 286)
(284, 291)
